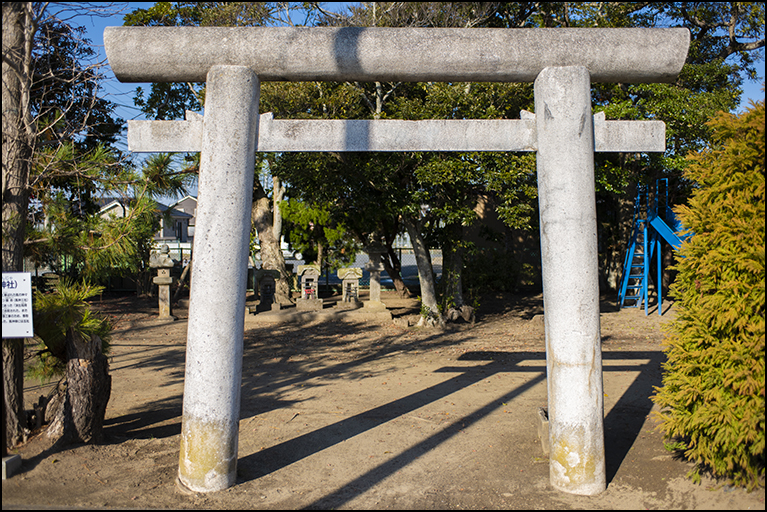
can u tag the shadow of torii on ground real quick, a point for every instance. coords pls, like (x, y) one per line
(622, 424)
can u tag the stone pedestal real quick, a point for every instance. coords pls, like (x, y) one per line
(375, 267)
(11, 465)
(163, 263)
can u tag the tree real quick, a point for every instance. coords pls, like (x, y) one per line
(167, 101)
(18, 132)
(58, 136)
(74, 342)
(712, 397)
(437, 193)
(328, 243)
(726, 40)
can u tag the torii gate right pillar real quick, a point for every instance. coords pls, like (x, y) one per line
(567, 204)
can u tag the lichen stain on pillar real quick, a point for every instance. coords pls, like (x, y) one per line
(576, 468)
(208, 456)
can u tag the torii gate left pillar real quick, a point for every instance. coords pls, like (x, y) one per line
(211, 414)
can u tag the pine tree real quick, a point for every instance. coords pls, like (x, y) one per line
(712, 397)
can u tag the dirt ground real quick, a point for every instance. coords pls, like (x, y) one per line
(363, 415)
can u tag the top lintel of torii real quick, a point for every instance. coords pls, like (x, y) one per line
(366, 54)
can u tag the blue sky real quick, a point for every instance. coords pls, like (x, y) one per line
(122, 94)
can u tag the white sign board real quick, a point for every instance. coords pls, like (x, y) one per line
(17, 305)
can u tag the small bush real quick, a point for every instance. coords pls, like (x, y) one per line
(489, 270)
(712, 397)
(54, 314)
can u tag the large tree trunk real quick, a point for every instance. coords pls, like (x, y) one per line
(271, 253)
(187, 271)
(452, 276)
(13, 390)
(393, 267)
(80, 418)
(18, 29)
(433, 316)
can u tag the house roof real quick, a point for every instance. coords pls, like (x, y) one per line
(107, 203)
(184, 199)
(173, 212)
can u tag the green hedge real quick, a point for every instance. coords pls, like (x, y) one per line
(712, 398)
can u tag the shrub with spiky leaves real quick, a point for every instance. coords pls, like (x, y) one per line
(712, 397)
(55, 314)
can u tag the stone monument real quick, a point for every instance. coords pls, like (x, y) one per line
(350, 284)
(309, 276)
(267, 287)
(163, 263)
(374, 266)
(233, 61)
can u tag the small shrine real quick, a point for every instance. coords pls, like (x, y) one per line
(350, 285)
(267, 286)
(309, 277)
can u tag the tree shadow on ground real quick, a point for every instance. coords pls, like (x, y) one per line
(276, 359)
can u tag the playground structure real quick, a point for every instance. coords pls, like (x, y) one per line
(654, 220)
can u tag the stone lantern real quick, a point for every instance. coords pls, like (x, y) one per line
(163, 263)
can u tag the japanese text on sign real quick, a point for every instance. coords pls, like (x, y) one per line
(17, 305)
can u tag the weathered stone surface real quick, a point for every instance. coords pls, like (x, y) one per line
(211, 410)
(350, 273)
(309, 304)
(181, 54)
(162, 259)
(176, 136)
(396, 135)
(570, 268)
(286, 135)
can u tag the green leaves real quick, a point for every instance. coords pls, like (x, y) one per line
(58, 313)
(713, 386)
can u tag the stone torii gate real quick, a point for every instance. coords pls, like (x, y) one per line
(562, 62)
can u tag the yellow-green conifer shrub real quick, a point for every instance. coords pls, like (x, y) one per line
(712, 398)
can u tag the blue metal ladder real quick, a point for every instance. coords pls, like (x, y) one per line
(648, 231)
(633, 283)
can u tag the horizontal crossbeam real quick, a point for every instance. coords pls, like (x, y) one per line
(181, 54)
(314, 135)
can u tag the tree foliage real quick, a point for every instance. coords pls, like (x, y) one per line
(713, 386)
(59, 158)
(55, 314)
(75, 163)
(725, 37)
